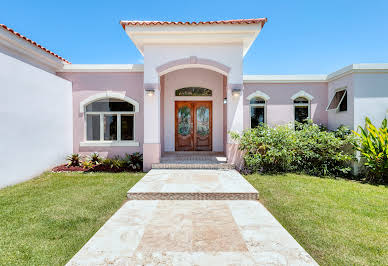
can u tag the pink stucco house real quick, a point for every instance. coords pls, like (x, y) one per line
(189, 93)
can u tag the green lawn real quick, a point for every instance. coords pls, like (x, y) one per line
(339, 222)
(45, 221)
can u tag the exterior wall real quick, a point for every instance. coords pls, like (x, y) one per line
(160, 59)
(36, 131)
(88, 84)
(192, 77)
(229, 55)
(370, 97)
(280, 106)
(26, 59)
(345, 118)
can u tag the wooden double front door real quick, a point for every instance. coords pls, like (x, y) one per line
(193, 126)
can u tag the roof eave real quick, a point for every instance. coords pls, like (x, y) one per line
(29, 51)
(170, 33)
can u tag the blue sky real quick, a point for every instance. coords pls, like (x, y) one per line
(301, 37)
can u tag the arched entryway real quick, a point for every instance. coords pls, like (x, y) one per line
(193, 113)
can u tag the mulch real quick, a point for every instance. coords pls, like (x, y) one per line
(96, 168)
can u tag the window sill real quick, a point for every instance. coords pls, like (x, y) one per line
(109, 144)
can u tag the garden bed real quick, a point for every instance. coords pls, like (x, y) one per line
(94, 168)
(95, 163)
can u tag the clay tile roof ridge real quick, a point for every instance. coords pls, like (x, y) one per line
(153, 23)
(33, 43)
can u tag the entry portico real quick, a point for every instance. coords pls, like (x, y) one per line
(205, 55)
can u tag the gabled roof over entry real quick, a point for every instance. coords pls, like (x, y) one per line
(206, 32)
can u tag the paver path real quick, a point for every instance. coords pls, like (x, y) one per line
(192, 232)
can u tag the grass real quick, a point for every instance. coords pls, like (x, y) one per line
(45, 221)
(339, 222)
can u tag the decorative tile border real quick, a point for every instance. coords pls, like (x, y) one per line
(191, 166)
(191, 196)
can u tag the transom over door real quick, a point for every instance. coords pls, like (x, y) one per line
(193, 126)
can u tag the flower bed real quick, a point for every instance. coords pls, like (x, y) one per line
(94, 163)
(67, 168)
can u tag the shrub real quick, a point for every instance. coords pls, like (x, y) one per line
(114, 163)
(74, 159)
(321, 152)
(373, 146)
(308, 148)
(87, 164)
(95, 158)
(134, 161)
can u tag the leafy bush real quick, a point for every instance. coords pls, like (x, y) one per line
(309, 148)
(87, 164)
(114, 163)
(373, 146)
(134, 161)
(95, 158)
(74, 159)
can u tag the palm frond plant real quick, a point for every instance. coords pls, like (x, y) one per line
(74, 159)
(373, 147)
(95, 158)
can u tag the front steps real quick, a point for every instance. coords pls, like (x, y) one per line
(192, 184)
(193, 160)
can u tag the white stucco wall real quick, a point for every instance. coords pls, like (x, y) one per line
(346, 118)
(370, 97)
(193, 78)
(36, 112)
(230, 55)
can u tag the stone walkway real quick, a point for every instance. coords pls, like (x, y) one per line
(208, 231)
(173, 184)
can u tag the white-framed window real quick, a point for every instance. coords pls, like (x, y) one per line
(339, 102)
(110, 120)
(257, 111)
(301, 109)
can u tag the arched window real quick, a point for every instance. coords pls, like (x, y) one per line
(110, 119)
(193, 91)
(301, 109)
(258, 111)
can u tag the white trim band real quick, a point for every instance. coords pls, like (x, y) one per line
(102, 68)
(109, 144)
(302, 94)
(258, 94)
(108, 94)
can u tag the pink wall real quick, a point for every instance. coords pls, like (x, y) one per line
(88, 84)
(337, 119)
(280, 108)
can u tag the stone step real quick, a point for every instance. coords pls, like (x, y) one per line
(192, 196)
(192, 184)
(185, 165)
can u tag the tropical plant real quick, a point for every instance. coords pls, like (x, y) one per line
(373, 147)
(134, 161)
(87, 164)
(114, 163)
(73, 159)
(310, 149)
(95, 158)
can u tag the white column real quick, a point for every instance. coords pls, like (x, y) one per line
(152, 116)
(235, 111)
(151, 146)
(235, 116)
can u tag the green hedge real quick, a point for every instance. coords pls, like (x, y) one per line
(307, 148)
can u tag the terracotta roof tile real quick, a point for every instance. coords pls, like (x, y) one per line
(235, 21)
(33, 43)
